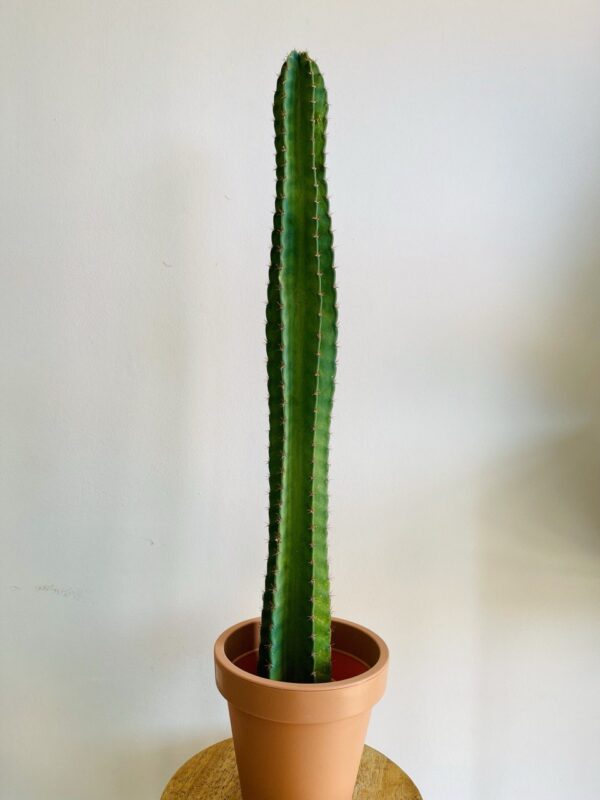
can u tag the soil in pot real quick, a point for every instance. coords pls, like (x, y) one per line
(343, 665)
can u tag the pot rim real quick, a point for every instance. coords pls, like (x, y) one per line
(287, 686)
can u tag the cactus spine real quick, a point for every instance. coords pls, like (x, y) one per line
(301, 333)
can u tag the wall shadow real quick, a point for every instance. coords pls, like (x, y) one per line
(539, 553)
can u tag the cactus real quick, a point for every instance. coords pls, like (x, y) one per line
(301, 333)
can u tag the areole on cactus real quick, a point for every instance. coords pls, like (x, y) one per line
(301, 333)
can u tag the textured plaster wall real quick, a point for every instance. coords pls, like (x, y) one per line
(137, 191)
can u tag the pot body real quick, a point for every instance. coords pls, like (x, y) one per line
(299, 741)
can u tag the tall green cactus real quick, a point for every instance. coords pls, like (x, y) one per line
(301, 332)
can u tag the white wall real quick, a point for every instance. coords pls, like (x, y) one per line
(137, 194)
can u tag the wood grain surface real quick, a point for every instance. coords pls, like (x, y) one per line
(212, 775)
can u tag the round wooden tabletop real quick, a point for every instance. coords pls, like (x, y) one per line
(212, 775)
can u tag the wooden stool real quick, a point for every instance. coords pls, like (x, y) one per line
(212, 775)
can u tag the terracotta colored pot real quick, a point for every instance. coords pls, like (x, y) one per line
(300, 741)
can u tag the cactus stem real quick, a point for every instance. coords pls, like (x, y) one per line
(300, 274)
